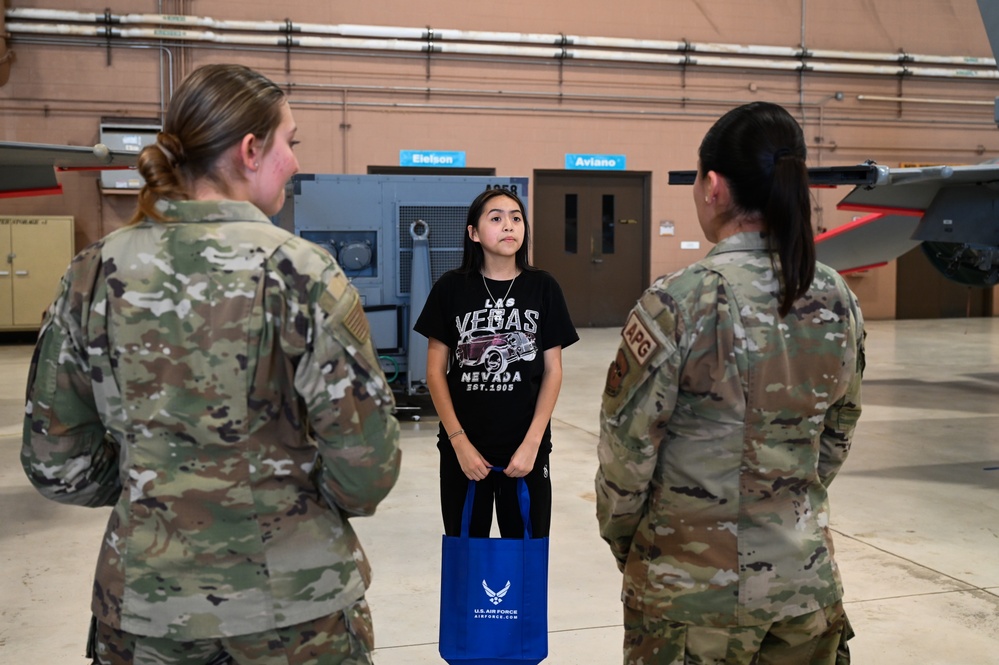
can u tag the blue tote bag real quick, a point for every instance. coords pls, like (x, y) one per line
(494, 594)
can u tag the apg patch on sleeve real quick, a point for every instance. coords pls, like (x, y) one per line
(638, 339)
(356, 322)
(337, 285)
(339, 297)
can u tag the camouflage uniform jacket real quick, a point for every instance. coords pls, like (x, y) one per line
(722, 425)
(213, 379)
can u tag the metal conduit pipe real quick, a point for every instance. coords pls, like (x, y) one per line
(552, 46)
(632, 113)
(495, 50)
(444, 34)
(511, 94)
(340, 88)
(876, 149)
(76, 108)
(685, 101)
(924, 100)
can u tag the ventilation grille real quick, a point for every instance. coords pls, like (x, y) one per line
(447, 238)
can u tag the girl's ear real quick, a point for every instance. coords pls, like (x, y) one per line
(249, 152)
(473, 233)
(717, 189)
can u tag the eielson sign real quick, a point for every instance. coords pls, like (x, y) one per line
(577, 162)
(446, 158)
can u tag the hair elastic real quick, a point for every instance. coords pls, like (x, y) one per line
(166, 153)
(454, 434)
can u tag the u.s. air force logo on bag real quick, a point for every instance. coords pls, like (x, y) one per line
(496, 597)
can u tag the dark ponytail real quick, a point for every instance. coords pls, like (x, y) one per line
(788, 216)
(760, 150)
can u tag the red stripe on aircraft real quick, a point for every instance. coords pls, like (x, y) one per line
(849, 226)
(884, 210)
(93, 168)
(39, 191)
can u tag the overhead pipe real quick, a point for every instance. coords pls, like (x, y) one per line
(478, 43)
(447, 35)
(526, 94)
(508, 94)
(832, 146)
(207, 36)
(924, 100)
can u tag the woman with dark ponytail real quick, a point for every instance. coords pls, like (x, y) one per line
(730, 407)
(760, 152)
(212, 377)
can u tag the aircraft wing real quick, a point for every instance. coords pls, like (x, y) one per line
(952, 209)
(29, 169)
(912, 190)
(868, 242)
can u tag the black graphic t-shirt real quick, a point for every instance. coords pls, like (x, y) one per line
(497, 351)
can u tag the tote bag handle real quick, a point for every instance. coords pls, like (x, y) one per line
(523, 498)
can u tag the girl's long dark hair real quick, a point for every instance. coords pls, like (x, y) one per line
(473, 257)
(760, 150)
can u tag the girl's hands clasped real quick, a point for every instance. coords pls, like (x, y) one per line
(522, 462)
(473, 465)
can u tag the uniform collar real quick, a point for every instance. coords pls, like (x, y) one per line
(751, 241)
(211, 211)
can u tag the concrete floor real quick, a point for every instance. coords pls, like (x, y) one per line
(915, 510)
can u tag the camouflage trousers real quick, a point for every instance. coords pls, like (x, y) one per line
(343, 638)
(819, 638)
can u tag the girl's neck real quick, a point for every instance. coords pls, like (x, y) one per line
(500, 269)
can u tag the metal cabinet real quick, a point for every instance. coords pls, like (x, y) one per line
(34, 254)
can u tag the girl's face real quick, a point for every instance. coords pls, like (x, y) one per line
(500, 228)
(276, 166)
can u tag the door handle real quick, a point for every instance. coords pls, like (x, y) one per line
(593, 252)
(21, 273)
(4, 273)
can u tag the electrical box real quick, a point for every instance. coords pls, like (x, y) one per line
(394, 236)
(126, 135)
(34, 254)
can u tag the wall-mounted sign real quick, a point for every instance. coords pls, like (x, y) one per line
(595, 162)
(438, 158)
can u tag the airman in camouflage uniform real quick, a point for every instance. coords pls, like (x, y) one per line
(213, 379)
(722, 426)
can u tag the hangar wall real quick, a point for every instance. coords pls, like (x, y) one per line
(357, 109)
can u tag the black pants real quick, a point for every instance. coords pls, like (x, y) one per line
(495, 488)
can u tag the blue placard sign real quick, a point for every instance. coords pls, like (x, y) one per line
(446, 158)
(595, 162)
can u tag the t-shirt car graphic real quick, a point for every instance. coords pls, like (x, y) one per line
(495, 350)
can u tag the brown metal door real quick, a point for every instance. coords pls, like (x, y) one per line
(590, 232)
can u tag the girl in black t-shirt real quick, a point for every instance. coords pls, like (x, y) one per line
(496, 328)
